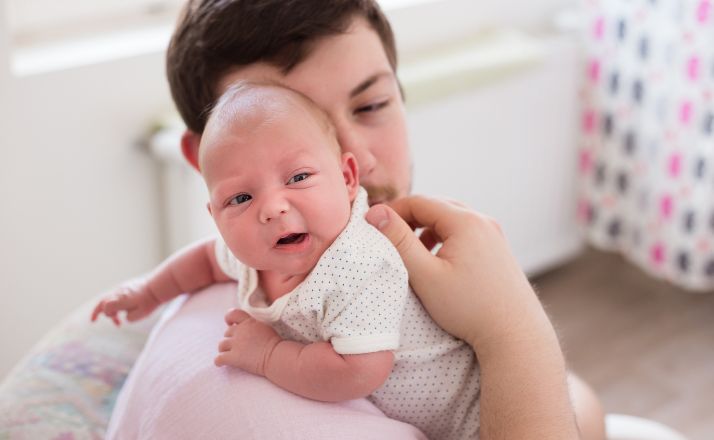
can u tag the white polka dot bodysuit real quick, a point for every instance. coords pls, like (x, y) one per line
(358, 298)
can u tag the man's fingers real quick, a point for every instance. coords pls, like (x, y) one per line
(415, 256)
(428, 239)
(442, 217)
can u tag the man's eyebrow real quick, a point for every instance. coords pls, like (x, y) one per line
(364, 85)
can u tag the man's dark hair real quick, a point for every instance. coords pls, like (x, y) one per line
(213, 37)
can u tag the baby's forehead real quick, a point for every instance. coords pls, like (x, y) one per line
(247, 109)
(251, 103)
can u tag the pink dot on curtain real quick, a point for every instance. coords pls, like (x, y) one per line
(685, 112)
(586, 161)
(599, 28)
(584, 211)
(703, 11)
(675, 165)
(594, 71)
(666, 206)
(657, 253)
(589, 121)
(693, 68)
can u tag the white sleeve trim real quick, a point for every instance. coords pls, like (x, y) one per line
(365, 344)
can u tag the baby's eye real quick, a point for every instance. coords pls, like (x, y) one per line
(298, 177)
(240, 198)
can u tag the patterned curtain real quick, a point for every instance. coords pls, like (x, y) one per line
(647, 153)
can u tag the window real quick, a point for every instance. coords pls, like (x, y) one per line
(33, 22)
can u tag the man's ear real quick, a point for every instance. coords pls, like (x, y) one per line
(189, 147)
(350, 171)
(208, 206)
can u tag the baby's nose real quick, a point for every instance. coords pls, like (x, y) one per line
(273, 209)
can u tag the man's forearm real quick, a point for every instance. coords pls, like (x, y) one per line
(317, 372)
(524, 391)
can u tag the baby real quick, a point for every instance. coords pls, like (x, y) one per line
(325, 309)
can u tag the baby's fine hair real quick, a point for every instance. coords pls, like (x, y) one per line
(242, 89)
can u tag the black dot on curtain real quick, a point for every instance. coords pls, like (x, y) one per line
(621, 29)
(630, 142)
(600, 174)
(644, 47)
(700, 168)
(638, 91)
(708, 126)
(614, 229)
(622, 182)
(683, 261)
(614, 83)
(608, 124)
(709, 269)
(689, 221)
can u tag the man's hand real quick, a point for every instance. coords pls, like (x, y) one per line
(134, 298)
(248, 343)
(473, 287)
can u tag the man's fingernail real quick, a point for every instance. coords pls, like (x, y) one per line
(378, 217)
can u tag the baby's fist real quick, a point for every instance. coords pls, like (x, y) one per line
(248, 343)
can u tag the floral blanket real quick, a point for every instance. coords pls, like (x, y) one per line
(66, 386)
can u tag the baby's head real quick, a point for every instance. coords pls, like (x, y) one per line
(280, 190)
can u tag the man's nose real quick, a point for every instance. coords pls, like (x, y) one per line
(273, 207)
(352, 141)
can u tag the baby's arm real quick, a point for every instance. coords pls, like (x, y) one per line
(314, 371)
(318, 372)
(188, 270)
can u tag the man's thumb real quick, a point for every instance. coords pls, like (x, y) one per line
(400, 234)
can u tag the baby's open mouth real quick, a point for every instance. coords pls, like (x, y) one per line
(293, 238)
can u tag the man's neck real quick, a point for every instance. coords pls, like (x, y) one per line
(276, 284)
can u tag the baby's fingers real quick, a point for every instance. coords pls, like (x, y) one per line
(97, 310)
(226, 357)
(119, 302)
(224, 345)
(236, 316)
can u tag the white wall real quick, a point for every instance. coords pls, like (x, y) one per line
(78, 196)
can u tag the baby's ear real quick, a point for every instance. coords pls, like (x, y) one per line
(350, 171)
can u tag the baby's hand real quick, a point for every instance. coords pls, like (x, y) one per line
(133, 298)
(248, 343)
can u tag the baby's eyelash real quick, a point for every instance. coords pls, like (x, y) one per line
(294, 180)
(239, 199)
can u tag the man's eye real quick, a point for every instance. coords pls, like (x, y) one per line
(240, 198)
(372, 107)
(298, 177)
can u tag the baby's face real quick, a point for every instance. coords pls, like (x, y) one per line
(278, 187)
